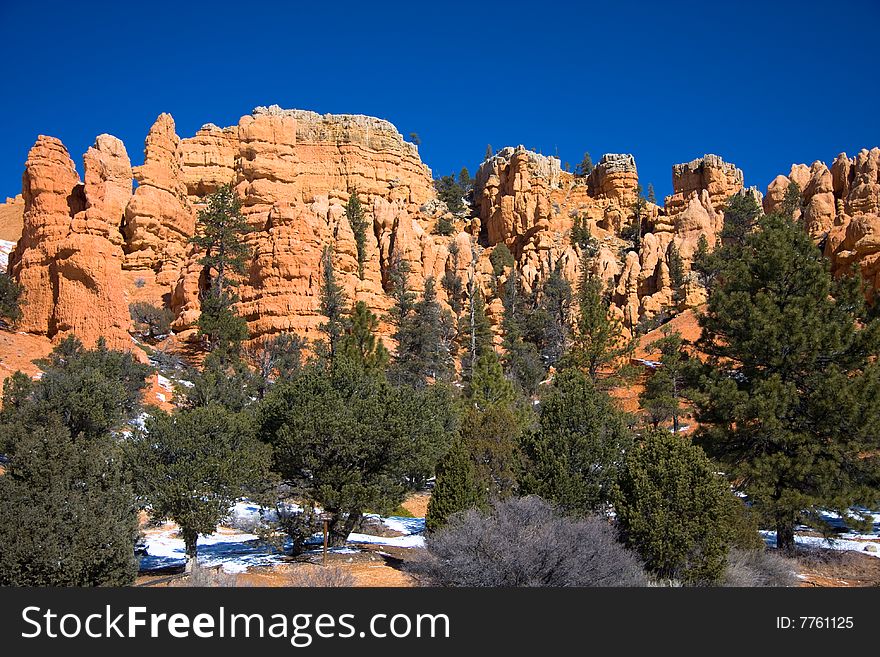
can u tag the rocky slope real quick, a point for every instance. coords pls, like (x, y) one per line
(88, 248)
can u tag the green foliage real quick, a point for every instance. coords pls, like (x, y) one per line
(360, 344)
(585, 168)
(581, 237)
(452, 193)
(741, 216)
(222, 329)
(676, 272)
(501, 259)
(634, 231)
(652, 197)
(451, 281)
(791, 202)
(226, 382)
(425, 342)
(191, 466)
(334, 306)
(457, 487)
(598, 344)
(10, 298)
(704, 264)
(278, 357)
(219, 231)
(574, 453)
(789, 402)
(549, 325)
(92, 391)
(444, 226)
(152, 321)
(354, 212)
(664, 389)
(67, 516)
(348, 441)
(474, 330)
(521, 360)
(671, 508)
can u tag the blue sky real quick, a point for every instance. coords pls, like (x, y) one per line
(762, 86)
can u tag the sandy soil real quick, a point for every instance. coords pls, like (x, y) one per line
(11, 221)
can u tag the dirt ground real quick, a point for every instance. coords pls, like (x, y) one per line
(837, 568)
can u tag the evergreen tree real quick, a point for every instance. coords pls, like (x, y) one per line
(220, 228)
(549, 327)
(663, 391)
(67, 516)
(574, 453)
(585, 168)
(703, 264)
(598, 344)
(425, 342)
(501, 259)
(278, 357)
(790, 400)
(354, 212)
(334, 306)
(360, 343)
(521, 360)
(672, 509)
(450, 191)
(652, 197)
(226, 382)
(474, 330)
(676, 273)
(451, 281)
(791, 202)
(10, 298)
(634, 231)
(191, 466)
(464, 180)
(457, 487)
(740, 217)
(490, 152)
(152, 321)
(349, 441)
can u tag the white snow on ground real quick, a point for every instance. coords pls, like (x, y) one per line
(831, 544)
(236, 551)
(5, 249)
(164, 382)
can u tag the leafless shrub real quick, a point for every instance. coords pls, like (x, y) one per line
(525, 542)
(321, 577)
(759, 568)
(202, 577)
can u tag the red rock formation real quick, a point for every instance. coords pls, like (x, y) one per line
(68, 259)
(158, 219)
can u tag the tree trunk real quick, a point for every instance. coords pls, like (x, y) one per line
(340, 528)
(784, 533)
(189, 540)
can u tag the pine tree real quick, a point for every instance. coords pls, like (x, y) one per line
(585, 168)
(68, 516)
(501, 259)
(354, 212)
(652, 197)
(790, 400)
(334, 306)
(457, 487)
(549, 326)
(360, 343)
(220, 228)
(634, 231)
(598, 344)
(451, 281)
(574, 453)
(10, 298)
(676, 273)
(474, 330)
(740, 217)
(673, 509)
(425, 342)
(350, 442)
(521, 360)
(704, 265)
(191, 466)
(791, 202)
(664, 390)
(490, 152)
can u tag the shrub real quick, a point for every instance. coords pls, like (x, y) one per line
(444, 226)
(321, 577)
(525, 542)
(760, 567)
(151, 321)
(673, 509)
(10, 298)
(501, 259)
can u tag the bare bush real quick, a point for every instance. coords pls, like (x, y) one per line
(525, 542)
(321, 577)
(759, 568)
(202, 577)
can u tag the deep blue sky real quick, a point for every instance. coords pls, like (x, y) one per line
(762, 86)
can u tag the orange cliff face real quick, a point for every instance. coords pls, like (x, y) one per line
(69, 257)
(87, 249)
